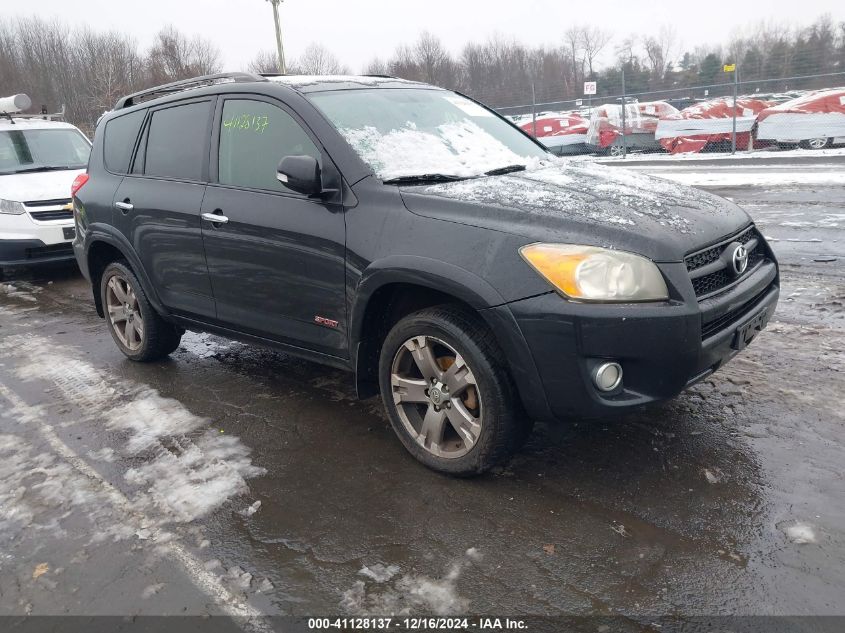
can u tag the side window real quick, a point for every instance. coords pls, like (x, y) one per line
(120, 136)
(254, 137)
(176, 141)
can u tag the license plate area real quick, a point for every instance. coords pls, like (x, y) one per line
(69, 232)
(746, 332)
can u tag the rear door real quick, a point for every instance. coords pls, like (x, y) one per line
(277, 263)
(157, 206)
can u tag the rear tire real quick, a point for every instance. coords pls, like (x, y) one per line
(137, 329)
(448, 393)
(816, 143)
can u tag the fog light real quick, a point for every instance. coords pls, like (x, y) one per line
(607, 376)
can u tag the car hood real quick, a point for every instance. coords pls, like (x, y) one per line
(39, 185)
(585, 204)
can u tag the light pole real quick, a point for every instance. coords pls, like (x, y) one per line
(280, 49)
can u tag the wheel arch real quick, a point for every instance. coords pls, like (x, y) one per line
(105, 246)
(392, 288)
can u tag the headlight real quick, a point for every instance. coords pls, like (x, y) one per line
(11, 207)
(589, 273)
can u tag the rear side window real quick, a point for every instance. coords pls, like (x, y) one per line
(120, 136)
(254, 137)
(176, 141)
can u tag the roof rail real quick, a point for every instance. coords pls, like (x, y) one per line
(185, 84)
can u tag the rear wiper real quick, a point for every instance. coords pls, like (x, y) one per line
(509, 169)
(422, 179)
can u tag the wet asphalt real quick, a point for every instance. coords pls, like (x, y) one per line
(728, 500)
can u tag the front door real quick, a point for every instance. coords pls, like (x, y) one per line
(158, 205)
(277, 263)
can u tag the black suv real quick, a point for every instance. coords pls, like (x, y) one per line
(415, 237)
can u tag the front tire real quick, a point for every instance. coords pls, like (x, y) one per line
(448, 393)
(140, 333)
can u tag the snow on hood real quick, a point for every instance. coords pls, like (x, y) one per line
(45, 185)
(603, 205)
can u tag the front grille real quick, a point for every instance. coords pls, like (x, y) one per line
(59, 202)
(49, 210)
(709, 274)
(53, 250)
(46, 216)
(716, 325)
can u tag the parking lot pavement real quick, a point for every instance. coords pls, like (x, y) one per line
(233, 479)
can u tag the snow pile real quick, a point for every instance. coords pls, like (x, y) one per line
(461, 148)
(410, 594)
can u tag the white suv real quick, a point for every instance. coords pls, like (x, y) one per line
(39, 160)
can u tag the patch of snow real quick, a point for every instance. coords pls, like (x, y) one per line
(152, 590)
(105, 454)
(19, 291)
(411, 594)
(768, 178)
(189, 470)
(149, 417)
(614, 196)
(250, 510)
(379, 572)
(310, 80)
(800, 532)
(205, 345)
(714, 475)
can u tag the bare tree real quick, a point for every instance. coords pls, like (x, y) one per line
(658, 49)
(376, 67)
(265, 62)
(174, 56)
(593, 42)
(318, 60)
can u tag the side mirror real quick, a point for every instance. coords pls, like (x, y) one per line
(301, 174)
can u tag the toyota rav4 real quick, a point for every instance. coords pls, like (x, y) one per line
(416, 238)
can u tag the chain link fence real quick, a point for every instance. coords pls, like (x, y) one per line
(731, 116)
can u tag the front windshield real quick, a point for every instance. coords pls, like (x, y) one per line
(407, 132)
(36, 150)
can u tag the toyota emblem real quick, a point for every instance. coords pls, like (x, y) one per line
(740, 259)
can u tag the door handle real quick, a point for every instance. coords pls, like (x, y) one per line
(126, 207)
(216, 218)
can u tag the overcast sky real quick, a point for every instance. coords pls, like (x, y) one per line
(359, 31)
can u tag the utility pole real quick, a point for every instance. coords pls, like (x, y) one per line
(279, 48)
(624, 140)
(731, 68)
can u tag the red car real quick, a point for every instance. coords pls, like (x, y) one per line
(708, 125)
(605, 135)
(561, 132)
(814, 121)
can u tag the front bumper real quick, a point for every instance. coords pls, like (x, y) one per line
(662, 348)
(31, 252)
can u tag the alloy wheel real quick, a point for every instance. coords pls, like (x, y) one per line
(436, 396)
(124, 313)
(817, 143)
